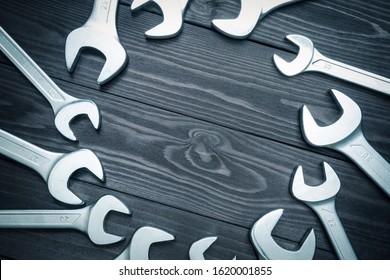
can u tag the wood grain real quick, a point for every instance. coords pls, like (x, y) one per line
(201, 168)
(227, 82)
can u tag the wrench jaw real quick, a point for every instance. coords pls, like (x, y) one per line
(242, 26)
(268, 249)
(303, 59)
(107, 43)
(172, 14)
(199, 247)
(68, 112)
(65, 167)
(326, 136)
(143, 238)
(98, 212)
(308, 194)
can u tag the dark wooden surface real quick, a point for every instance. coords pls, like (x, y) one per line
(200, 133)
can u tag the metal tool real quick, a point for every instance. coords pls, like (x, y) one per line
(198, 248)
(310, 59)
(346, 136)
(251, 12)
(88, 219)
(173, 11)
(65, 107)
(99, 32)
(140, 243)
(55, 168)
(322, 200)
(268, 249)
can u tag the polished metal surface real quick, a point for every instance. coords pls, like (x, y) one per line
(198, 248)
(322, 200)
(55, 168)
(310, 59)
(65, 107)
(346, 136)
(268, 249)
(89, 219)
(99, 32)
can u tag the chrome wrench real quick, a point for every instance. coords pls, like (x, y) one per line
(88, 219)
(65, 107)
(310, 59)
(346, 136)
(321, 199)
(54, 168)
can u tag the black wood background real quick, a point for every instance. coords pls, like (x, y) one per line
(200, 133)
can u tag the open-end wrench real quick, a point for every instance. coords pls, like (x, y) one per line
(55, 168)
(89, 219)
(268, 249)
(65, 107)
(346, 136)
(251, 12)
(99, 32)
(310, 59)
(198, 248)
(173, 11)
(322, 200)
(140, 243)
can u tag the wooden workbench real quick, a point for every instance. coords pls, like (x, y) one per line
(200, 133)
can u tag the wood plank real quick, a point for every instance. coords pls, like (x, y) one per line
(17, 193)
(198, 167)
(227, 82)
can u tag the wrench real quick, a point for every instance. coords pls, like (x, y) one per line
(346, 136)
(268, 249)
(252, 11)
(140, 243)
(65, 107)
(173, 11)
(88, 219)
(55, 168)
(98, 32)
(322, 200)
(310, 59)
(198, 248)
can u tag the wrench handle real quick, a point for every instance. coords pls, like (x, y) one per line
(54, 95)
(326, 211)
(27, 154)
(104, 14)
(41, 219)
(370, 161)
(349, 73)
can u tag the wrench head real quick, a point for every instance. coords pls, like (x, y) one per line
(199, 247)
(98, 212)
(268, 249)
(172, 14)
(241, 26)
(303, 59)
(65, 167)
(106, 43)
(349, 121)
(326, 190)
(143, 238)
(71, 110)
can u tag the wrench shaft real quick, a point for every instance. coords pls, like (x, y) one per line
(39, 219)
(27, 154)
(349, 73)
(364, 155)
(54, 95)
(104, 14)
(326, 212)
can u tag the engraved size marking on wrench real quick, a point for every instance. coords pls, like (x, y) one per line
(105, 8)
(331, 221)
(32, 156)
(362, 152)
